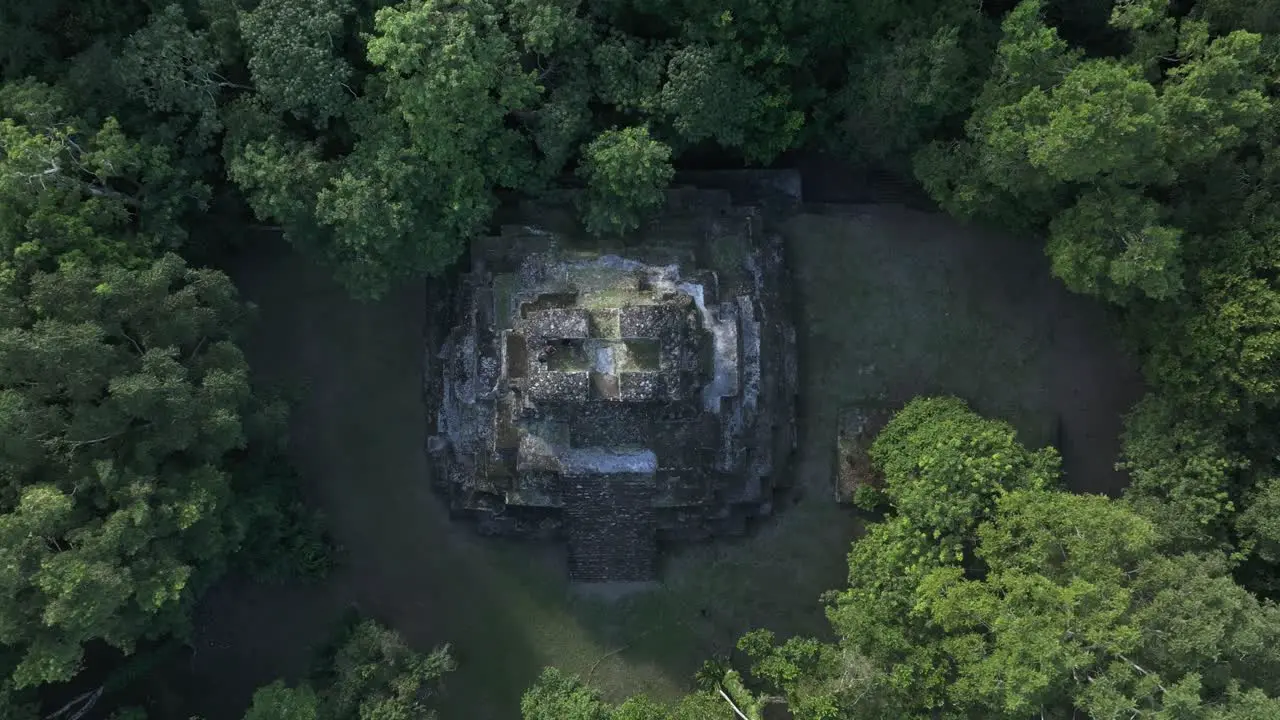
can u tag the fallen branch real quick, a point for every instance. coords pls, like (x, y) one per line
(604, 657)
(613, 652)
(729, 700)
(81, 443)
(79, 706)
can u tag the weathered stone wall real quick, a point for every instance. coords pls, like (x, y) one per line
(567, 369)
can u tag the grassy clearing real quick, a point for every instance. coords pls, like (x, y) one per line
(896, 304)
(890, 305)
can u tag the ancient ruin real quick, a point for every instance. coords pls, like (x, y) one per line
(619, 398)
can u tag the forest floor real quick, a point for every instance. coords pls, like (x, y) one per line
(892, 303)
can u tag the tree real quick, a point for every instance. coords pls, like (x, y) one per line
(1259, 524)
(938, 447)
(989, 174)
(897, 96)
(626, 172)
(294, 50)
(1215, 99)
(558, 696)
(1056, 603)
(628, 72)
(374, 674)
(709, 97)
(172, 69)
(123, 393)
(279, 173)
(429, 143)
(1113, 243)
(388, 215)
(125, 402)
(1182, 469)
(368, 673)
(277, 701)
(453, 76)
(37, 39)
(67, 187)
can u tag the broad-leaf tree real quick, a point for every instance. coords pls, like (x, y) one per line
(626, 172)
(369, 673)
(1056, 604)
(123, 393)
(294, 50)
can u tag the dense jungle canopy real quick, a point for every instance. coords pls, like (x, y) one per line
(1137, 138)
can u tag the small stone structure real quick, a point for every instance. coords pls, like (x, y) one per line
(856, 430)
(622, 398)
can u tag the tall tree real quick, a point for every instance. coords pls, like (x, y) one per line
(369, 673)
(123, 394)
(1056, 604)
(294, 50)
(626, 173)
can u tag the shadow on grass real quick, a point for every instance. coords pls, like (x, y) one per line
(890, 305)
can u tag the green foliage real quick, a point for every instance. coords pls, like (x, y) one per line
(174, 70)
(375, 676)
(626, 172)
(280, 702)
(1152, 167)
(1215, 99)
(557, 696)
(1059, 602)
(284, 539)
(820, 681)
(1058, 605)
(279, 174)
(1102, 122)
(1259, 524)
(1218, 353)
(123, 393)
(294, 51)
(135, 463)
(37, 38)
(897, 97)
(369, 673)
(1252, 15)
(1112, 243)
(125, 402)
(709, 97)
(938, 447)
(1181, 471)
(67, 187)
(375, 234)
(628, 72)
(870, 499)
(430, 137)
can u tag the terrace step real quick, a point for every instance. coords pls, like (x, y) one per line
(610, 527)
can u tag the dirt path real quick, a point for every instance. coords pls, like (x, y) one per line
(892, 303)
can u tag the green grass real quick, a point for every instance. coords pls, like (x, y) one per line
(885, 312)
(890, 310)
(889, 306)
(647, 642)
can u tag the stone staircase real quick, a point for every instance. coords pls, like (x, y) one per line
(610, 527)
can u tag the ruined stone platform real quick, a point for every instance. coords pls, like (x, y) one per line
(622, 396)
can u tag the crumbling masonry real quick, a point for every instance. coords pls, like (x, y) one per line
(620, 399)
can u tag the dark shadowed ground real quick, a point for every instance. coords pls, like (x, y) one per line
(892, 303)
(911, 303)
